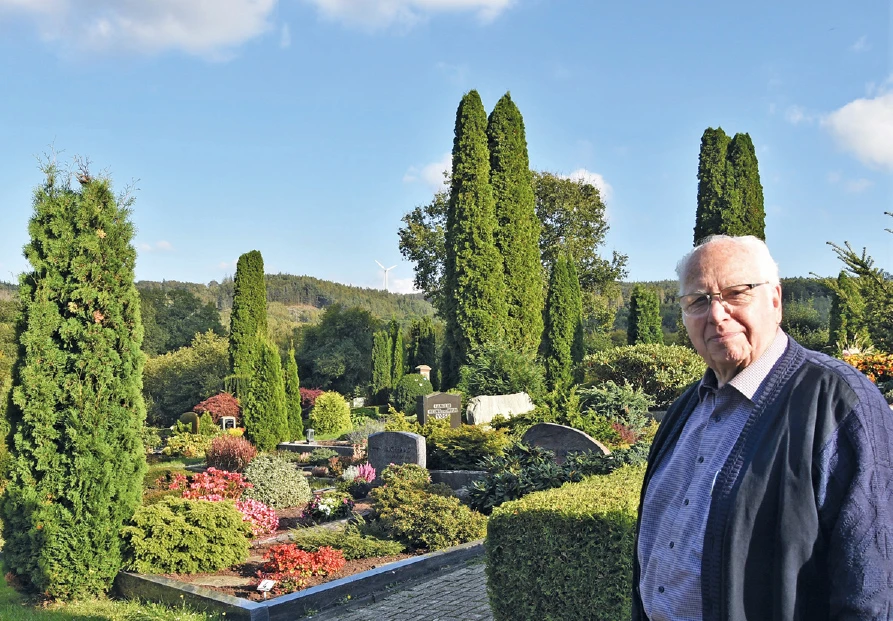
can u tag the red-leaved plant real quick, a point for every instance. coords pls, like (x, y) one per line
(221, 404)
(291, 567)
(263, 519)
(308, 397)
(212, 484)
(230, 453)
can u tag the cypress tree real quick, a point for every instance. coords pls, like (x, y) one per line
(264, 406)
(293, 396)
(248, 318)
(76, 409)
(847, 321)
(423, 344)
(381, 366)
(475, 308)
(562, 346)
(518, 228)
(398, 354)
(644, 324)
(711, 182)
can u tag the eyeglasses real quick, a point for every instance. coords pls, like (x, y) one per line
(733, 296)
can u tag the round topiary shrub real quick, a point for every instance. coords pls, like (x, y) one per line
(277, 483)
(176, 535)
(330, 414)
(230, 453)
(408, 389)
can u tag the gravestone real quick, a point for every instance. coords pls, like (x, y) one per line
(227, 422)
(481, 410)
(358, 402)
(440, 406)
(395, 447)
(562, 440)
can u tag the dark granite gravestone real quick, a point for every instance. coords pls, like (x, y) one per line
(562, 440)
(440, 406)
(395, 447)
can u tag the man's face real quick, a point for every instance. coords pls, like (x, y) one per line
(730, 338)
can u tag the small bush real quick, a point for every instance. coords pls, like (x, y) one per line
(309, 396)
(408, 389)
(151, 437)
(327, 507)
(321, 456)
(877, 367)
(661, 371)
(405, 474)
(624, 404)
(221, 404)
(232, 453)
(464, 447)
(434, 522)
(351, 541)
(372, 412)
(277, 483)
(187, 445)
(176, 535)
(213, 484)
(262, 519)
(496, 368)
(331, 414)
(290, 567)
(360, 433)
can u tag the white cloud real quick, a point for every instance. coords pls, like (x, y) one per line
(858, 185)
(431, 174)
(284, 37)
(798, 114)
(209, 28)
(228, 265)
(861, 45)
(163, 246)
(376, 14)
(865, 128)
(586, 176)
(401, 285)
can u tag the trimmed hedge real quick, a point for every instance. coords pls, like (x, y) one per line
(555, 554)
(330, 414)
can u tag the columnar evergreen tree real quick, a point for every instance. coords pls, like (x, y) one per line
(730, 195)
(293, 396)
(422, 344)
(398, 354)
(518, 228)
(248, 318)
(847, 321)
(475, 308)
(644, 324)
(76, 408)
(562, 346)
(264, 405)
(382, 366)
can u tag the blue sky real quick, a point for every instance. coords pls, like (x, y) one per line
(306, 128)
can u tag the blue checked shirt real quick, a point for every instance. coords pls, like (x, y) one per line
(677, 501)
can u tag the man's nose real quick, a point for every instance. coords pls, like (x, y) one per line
(718, 309)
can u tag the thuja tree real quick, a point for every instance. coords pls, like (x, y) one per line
(381, 366)
(730, 195)
(847, 321)
(76, 408)
(644, 323)
(264, 404)
(423, 346)
(562, 345)
(518, 228)
(248, 319)
(474, 304)
(293, 396)
(398, 354)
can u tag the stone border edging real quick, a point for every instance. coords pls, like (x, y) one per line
(287, 607)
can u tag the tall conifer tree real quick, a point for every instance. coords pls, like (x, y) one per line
(712, 165)
(562, 346)
(475, 308)
(644, 324)
(398, 354)
(248, 318)
(76, 408)
(847, 321)
(518, 228)
(293, 396)
(264, 406)
(382, 366)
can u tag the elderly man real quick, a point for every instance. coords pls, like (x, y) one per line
(768, 489)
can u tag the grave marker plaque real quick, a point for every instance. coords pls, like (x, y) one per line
(440, 406)
(395, 447)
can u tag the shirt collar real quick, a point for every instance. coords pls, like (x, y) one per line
(748, 381)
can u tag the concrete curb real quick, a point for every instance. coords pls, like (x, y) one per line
(293, 605)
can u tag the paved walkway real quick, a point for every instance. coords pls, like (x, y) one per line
(451, 594)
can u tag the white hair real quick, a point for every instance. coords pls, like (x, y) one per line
(756, 247)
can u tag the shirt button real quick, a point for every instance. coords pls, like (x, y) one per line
(660, 589)
(672, 545)
(700, 460)
(685, 502)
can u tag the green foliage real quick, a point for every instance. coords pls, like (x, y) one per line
(644, 323)
(331, 414)
(495, 368)
(176, 535)
(518, 228)
(277, 483)
(77, 459)
(293, 397)
(381, 366)
(263, 405)
(408, 389)
(175, 382)
(562, 346)
(661, 371)
(804, 324)
(187, 445)
(532, 575)
(336, 354)
(847, 321)
(465, 447)
(730, 195)
(351, 541)
(248, 320)
(423, 345)
(321, 456)
(475, 297)
(398, 354)
(172, 317)
(624, 404)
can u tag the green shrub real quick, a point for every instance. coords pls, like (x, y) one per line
(408, 389)
(360, 433)
(331, 414)
(321, 456)
(661, 371)
(624, 404)
(351, 541)
(406, 474)
(151, 437)
(187, 445)
(434, 522)
(177, 535)
(555, 553)
(495, 368)
(464, 447)
(366, 412)
(277, 483)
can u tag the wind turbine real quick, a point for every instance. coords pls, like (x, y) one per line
(386, 270)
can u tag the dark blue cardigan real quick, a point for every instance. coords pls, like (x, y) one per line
(800, 525)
